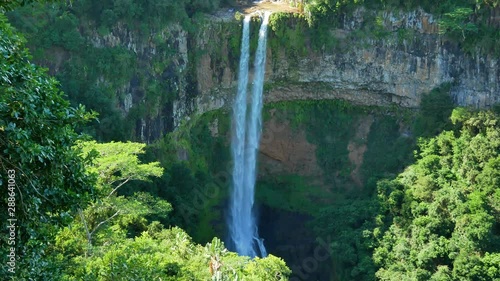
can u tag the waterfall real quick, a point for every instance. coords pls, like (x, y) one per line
(245, 143)
(239, 225)
(255, 124)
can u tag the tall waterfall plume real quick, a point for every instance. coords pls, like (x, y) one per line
(245, 143)
(238, 221)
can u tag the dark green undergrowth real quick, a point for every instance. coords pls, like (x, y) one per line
(198, 168)
(436, 108)
(341, 209)
(197, 175)
(291, 193)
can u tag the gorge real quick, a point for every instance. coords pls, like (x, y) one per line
(354, 104)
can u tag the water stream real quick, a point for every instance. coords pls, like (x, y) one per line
(247, 126)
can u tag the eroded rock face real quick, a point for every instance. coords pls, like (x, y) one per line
(201, 72)
(154, 123)
(285, 150)
(391, 70)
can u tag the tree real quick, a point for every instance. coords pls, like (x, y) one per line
(458, 22)
(116, 164)
(114, 238)
(37, 136)
(443, 211)
(8, 5)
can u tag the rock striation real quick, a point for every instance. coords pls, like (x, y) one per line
(391, 70)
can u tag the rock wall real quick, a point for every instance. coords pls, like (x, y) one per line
(199, 70)
(393, 70)
(161, 56)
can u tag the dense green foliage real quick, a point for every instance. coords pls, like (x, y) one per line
(443, 212)
(161, 254)
(116, 238)
(36, 142)
(71, 223)
(8, 5)
(349, 222)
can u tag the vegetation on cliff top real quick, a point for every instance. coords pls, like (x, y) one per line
(472, 24)
(66, 38)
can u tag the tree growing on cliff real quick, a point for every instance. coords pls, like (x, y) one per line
(458, 22)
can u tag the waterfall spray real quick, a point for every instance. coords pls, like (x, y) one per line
(245, 143)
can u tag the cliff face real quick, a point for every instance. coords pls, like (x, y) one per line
(196, 72)
(169, 68)
(144, 74)
(394, 69)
